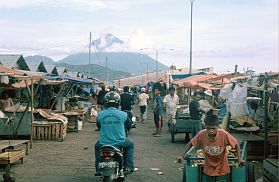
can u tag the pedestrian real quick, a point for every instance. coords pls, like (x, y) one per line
(143, 97)
(126, 100)
(100, 97)
(195, 115)
(158, 110)
(170, 105)
(111, 123)
(214, 142)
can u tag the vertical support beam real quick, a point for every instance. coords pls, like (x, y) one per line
(266, 149)
(157, 64)
(190, 68)
(32, 111)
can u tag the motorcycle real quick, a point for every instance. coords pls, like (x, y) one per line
(112, 164)
(133, 119)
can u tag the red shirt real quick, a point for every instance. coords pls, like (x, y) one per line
(216, 163)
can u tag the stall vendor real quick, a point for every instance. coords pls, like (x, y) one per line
(6, 100)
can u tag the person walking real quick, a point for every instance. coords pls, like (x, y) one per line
(195, 115)
(170, 105)
(158, 110)
(100, 97)
(143, 97)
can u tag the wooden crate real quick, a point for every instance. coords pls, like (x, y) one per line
(11, 156)
(46, 130)
(270, 170)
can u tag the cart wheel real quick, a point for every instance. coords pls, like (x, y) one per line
(187, 137)
(251, 173)
(172, 137)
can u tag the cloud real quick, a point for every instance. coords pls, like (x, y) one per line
(74, 4)
(132, 43)
(87, 5)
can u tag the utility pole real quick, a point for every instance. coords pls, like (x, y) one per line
(89, 67)
(146, 73)
(157, 64)
(190, 68)
(107, 68)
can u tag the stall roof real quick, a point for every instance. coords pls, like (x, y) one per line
(182, 76)
(226, 76)
(49, 68)
(11, 72)
(14, 61)
(37, 66)
(79, 80)
(193, 81)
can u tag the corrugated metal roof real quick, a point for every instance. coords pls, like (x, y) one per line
(33, 65)
(37, 66)
(61, 70)
(50, 68)
(14, 61)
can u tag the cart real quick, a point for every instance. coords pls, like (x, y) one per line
(183, 124)
(195, 173)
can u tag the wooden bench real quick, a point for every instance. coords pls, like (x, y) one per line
(11, 156)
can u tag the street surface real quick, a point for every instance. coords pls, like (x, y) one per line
(73, 159)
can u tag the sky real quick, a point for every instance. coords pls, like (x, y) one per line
(225, 32)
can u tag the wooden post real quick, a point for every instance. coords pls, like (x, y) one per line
(266, 151)
(235, 69)
(32, 111)
(59, 93)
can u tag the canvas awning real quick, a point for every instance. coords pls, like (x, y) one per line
(193, 81)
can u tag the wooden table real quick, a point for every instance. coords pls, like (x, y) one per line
(14, 144)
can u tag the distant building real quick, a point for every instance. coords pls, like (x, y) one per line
(14, 61)
(148, 77)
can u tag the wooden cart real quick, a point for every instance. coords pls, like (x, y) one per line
(194, 172)
(183, 124)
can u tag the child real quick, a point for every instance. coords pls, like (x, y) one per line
(214, 141)
(158, 103)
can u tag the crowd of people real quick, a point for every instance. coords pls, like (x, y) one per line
(111, 122)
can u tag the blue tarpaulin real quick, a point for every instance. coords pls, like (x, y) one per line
(182, 76)
(79, 80)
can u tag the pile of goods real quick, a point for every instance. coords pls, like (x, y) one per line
(231, 153)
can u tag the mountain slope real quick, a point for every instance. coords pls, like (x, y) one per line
(133, 63)
(97, 71)
(38, 58)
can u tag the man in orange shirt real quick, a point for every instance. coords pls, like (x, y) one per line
(214, 141)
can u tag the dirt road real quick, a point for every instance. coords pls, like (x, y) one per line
(72, 160)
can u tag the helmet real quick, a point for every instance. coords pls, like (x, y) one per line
(112, 98)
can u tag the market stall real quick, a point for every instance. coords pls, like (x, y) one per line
(72, 102)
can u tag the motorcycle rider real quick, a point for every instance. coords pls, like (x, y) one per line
(126, 100)
(111, 123)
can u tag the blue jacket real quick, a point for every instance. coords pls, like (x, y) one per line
(111, 123)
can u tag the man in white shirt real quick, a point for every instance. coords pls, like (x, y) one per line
(143, 97)
(170, 105)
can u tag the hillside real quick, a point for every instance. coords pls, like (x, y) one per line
(97, 71)
(134, 63)
(38, 58)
